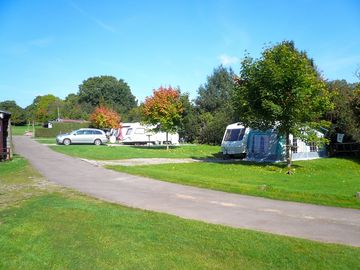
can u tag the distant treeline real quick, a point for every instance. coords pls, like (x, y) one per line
(204, 119)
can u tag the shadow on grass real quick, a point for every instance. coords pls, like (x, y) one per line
(219, 158)
(353, 158)
(215, 159)
(217, 155)
(154, 147)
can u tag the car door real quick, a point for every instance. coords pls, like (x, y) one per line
(89, 136)
(79, 136)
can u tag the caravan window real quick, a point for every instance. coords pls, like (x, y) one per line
(234, 134)
(140, 131)
(128, 132)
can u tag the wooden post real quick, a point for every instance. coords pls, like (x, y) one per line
(11, 146)
(33, 129)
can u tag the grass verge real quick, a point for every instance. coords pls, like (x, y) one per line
(331, 181)
(20, 130)
(126, 152)
(60, 229)
(45, 140)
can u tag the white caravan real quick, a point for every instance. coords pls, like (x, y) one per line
(266, 145)
(136, 133)
(235, 140)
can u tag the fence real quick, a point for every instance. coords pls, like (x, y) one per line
(346, 149)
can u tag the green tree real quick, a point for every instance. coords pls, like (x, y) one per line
(73, 109)
(343, 116)
(44, 108)
(164, 108)
(282, 90)
(134, 115)
(18, 116)
(107, 91)
(355, 103)
(214, 108)
(216, 93)
(212, 127)
(188, 130)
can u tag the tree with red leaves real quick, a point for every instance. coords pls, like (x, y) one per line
(103, 117)
(164, 109)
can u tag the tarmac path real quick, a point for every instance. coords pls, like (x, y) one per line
(320, 223)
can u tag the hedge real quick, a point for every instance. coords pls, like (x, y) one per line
(59, 128)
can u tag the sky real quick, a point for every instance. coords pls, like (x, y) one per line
(52, 46)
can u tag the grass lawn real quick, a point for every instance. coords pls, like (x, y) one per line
(20, 130)
(45, 140)
(125, 152)
(330, 181)
(49, 227)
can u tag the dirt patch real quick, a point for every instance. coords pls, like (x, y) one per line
(153, 161)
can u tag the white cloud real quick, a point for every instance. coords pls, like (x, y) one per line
(104, 25)
(96, 20)
(228, 60)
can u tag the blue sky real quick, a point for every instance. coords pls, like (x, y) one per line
(52, 46)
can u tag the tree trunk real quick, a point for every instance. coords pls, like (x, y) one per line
(288, 153)
(167, 141)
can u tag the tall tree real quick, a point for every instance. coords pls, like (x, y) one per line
(73, 109)
(18, 116)
(188, 130)
(107, 91)
(214, 110)
(282, 90)
(164, 108)
(44, 108)
(355, 103)
(343, 116)
(216, 93)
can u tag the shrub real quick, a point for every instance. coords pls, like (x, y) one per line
(59, 128)
(104, 117)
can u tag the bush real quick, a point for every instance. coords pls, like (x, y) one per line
(59, 128)
(103, 117)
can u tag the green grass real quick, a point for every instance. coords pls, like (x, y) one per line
(54, 228)
(331, 181)
(19, 181)
(46, 140)
(126, 152)
(20, 130)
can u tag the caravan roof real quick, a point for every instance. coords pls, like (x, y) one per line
(235, 125)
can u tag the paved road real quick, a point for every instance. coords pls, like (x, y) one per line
(326, 224)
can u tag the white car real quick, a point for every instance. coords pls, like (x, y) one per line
(83, 136)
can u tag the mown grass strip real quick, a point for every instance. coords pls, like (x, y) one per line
(127, 152)
(331, 181)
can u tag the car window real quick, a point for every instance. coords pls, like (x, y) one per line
(97, 132)
(80, 132)
(88, 132)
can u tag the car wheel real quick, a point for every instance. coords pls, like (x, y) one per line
(67, 142)
(97, 142)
